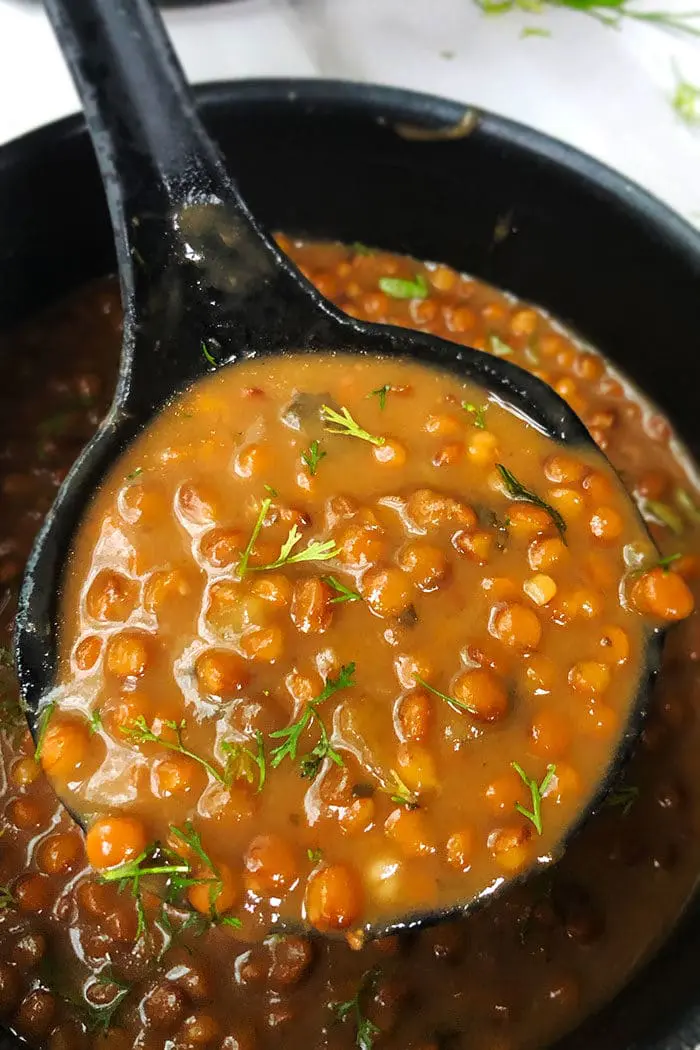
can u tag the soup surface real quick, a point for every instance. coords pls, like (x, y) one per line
(74, 975)
(372, 643)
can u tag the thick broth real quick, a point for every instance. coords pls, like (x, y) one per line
(515, 974)
(413, 712)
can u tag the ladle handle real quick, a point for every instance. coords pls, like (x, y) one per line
(147, 135)
(172, 203)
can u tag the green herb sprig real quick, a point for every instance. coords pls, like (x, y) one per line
(343, 423)
(534, 815)
(380, 394)
(100, 1018)
(354, 1009)
(208, 356)
(516, 490)
(405, 288)
(191, 838)
(95, 721)
(478, 412)
(292, 734)
(262, 514)
(310, 764)
(400, 794)
(609, 13)
(242, 762)
(312, 456)
(130, 874)
(343, 593)
(139, 732)
(686, 504)
(314, 551)
(13, 715)
(659, 513)
(44, 718)
(7, 898)
(686, 99)
(622, 798)
(451, 700)
(498, 348)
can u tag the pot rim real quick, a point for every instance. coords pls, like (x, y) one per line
(425, 110)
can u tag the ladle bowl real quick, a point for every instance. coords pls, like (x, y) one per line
(196, 270)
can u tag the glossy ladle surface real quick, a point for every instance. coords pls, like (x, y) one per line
(196, 269)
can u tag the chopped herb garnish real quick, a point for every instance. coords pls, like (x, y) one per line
(95, 720)
(686, 504)
(292, 734)
(479, 413)
(343, 593)
(537, 792)
(310, 764)
(7, 898)
(665, 563)
(101, 1017)
(608, 12)
(498, 347)
(12, 711)
(361, 249)
(353, 1009)
(139, 732)
(314, 855)
(661, 514)
(312, 456)
(56, 425)
(402, 795)
(243, 563)
(242, 762)
(131, 873)
(271, 490)
(314, 551)
(13, 715)
(192, 839)
(533, 31)
(134, 474)
(403, 288)
(622, 798)
(516, 490)
(343, 423)
(230, 920)
(686, 99)
(44, 718)
(444, 696)
(208, 354)
(380, 394)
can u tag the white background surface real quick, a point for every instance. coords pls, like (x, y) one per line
(607, 91)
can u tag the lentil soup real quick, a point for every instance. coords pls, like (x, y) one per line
(328, 625)
(75, 974)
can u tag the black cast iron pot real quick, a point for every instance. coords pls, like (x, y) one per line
(417, 174)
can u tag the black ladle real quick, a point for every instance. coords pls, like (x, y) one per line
(196, 269)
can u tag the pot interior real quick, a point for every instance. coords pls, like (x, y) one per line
(343, 162)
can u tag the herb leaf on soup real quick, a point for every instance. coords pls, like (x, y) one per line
(353, 1010)
(312, 456)
(537, 792)
(404, 288)
(343, 423)
(380, 394)
(342, 593)
(518, 491)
